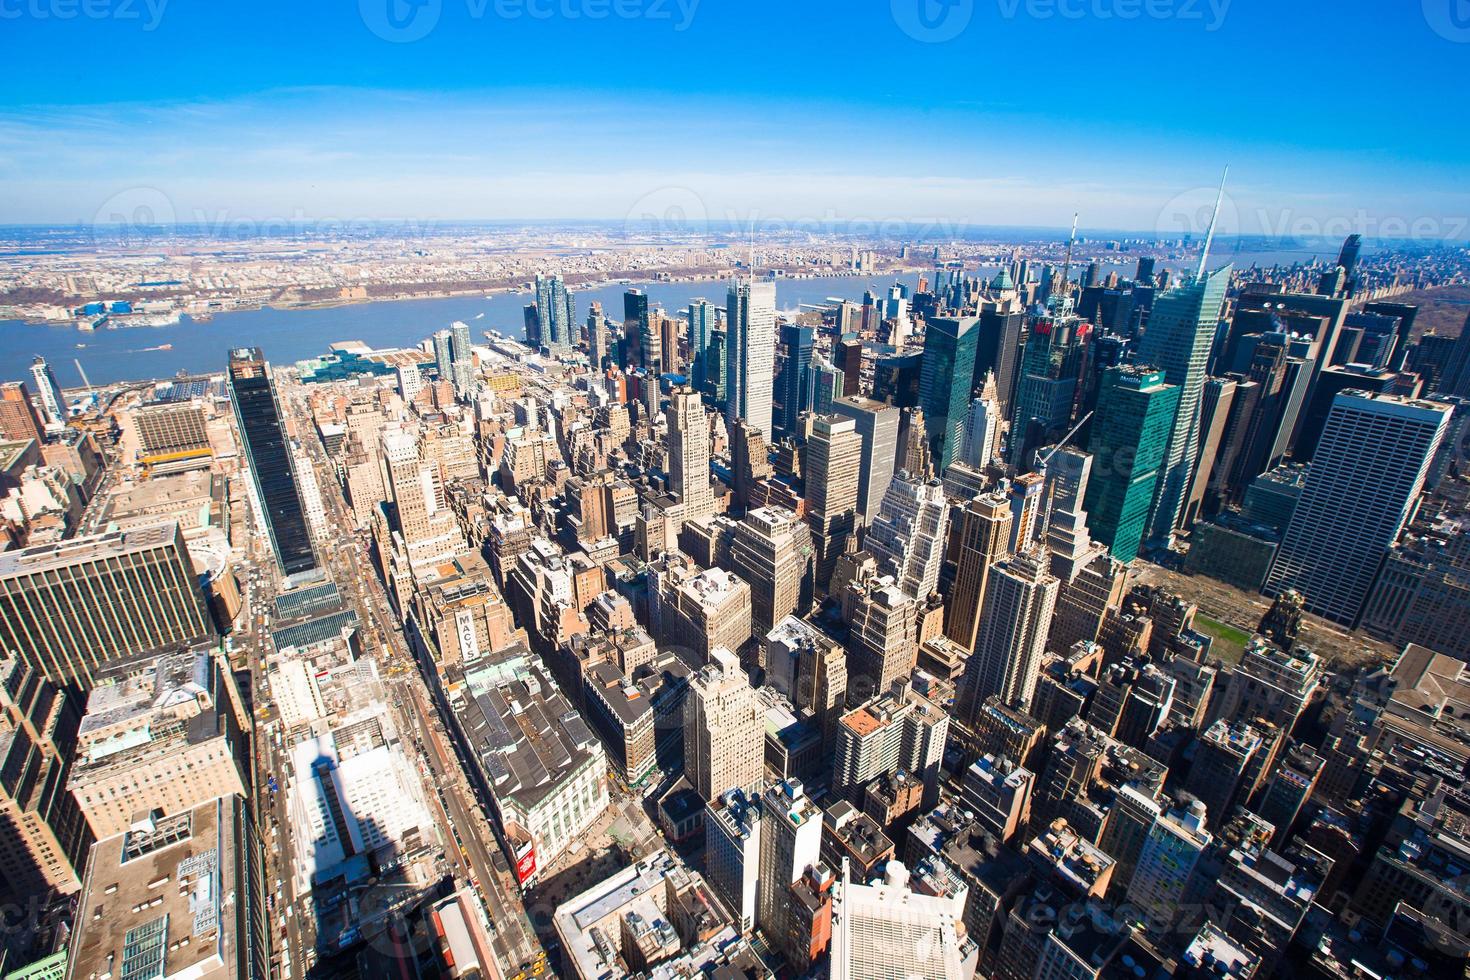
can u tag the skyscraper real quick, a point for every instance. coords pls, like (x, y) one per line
(67, 609)
(724, 729)
(796, 342)
(982, 426)
(462, 356)
(1048, 389)
(750, 352)
(833, 462)
(428, 528)
(877, 425)
(1130, 434)
(1020, 598)
(638, 342)
(556, 310)
(772, 551)
(272, 476)
(443, 342)
(1181, 332)
(53, 403)
(908, 537)
(985, 530)
(944, 384)
(597, 337)
(701, 333)
(1360, 491)
(689, 453)
(1166, 865)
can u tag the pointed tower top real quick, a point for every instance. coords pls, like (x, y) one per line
(1204, 255)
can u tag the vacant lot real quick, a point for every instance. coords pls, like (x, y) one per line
(1231, 615)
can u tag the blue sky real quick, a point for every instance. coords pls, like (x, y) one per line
(1330, 112)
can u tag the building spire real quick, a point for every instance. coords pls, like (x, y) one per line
(1204, 255)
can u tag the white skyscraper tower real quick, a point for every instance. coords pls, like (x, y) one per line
(982, 427)
(750, 353)
(1361, 490)
(909, 534)
(689, 454)
(1020, 597)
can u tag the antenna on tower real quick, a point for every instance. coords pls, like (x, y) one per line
(1067, 266)
(1204, 255)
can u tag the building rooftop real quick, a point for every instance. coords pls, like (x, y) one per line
(162, 899)
(45, 557)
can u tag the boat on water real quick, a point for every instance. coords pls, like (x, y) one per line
(81, 346)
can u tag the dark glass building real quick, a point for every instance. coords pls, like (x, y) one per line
(253, 393)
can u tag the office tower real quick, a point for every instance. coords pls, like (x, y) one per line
(945, 383)
(724, 729)
(772, 551)
(53, 402)
(462, 356)
(984, 536)
(1165, 875)
(1181, 332)
(171, 430)
(556, 311)
(701, 336)
(1405, 313)
(638, 342)
(908, 537)
(46, 835)
(877, 425)
(887, 930)
(211, 921)
(790, 844)
(896, 379)
(1130, 434)
(898, 731)
(68, 609)
(597, 338)
(1145, 272)
(1218, 408)
(163, 738)
(1048, 389)
(732, 852)
(443, 343)
(796, 343)
(824, 384)
(913, 444)
(272, 476)
(811, 668)
(1000, 334)
(422, 516)
(1347, 257)
(1020, 598)
(666, 330)
(750, 353)
(1290, 786)
(1026, 495)
(749, 460)
(833, 463)
(883, 636)
(698, 610)
(1330, 383)
(689, 473)
(982, 427)
(1223, 755)
(18, 419)
(1132, 816)
(1269, 683)
(1092, 581)
(998, 791)
(849, 357)
(1360, 491)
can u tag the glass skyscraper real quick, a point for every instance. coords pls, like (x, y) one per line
(945, 380)
(750, 353)
(797, 343)
(1135, 412)
(1181, 331)
(253, 394)
(701, 330)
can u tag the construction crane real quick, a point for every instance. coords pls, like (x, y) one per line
(1043, 462)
